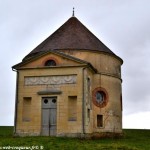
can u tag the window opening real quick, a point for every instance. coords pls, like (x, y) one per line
(54, 100)
(99, 96)
(45, 101)
(50, 63)
(99, 120)
(88, 115)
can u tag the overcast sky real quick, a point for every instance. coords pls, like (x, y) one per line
(124, 26)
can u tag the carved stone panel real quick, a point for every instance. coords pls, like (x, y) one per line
(50, 80)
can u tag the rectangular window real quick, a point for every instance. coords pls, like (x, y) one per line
(88, 89)
(72, 108)
(26, 115)
(88, 114)
(89, 92)
(99, 120)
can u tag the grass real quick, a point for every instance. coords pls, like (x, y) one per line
(133, 140)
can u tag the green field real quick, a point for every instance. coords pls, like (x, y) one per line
(132, 140)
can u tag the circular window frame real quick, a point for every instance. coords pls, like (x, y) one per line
(105, 97)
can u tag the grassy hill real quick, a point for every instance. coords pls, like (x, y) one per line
(132, 140)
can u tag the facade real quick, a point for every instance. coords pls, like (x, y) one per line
(69, 85)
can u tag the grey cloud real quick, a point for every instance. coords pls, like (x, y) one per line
(122, 25)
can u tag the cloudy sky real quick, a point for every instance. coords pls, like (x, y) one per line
(124, 26)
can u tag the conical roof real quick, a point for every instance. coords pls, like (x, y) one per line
(72, 35)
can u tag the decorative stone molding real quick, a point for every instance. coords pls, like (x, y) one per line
(50, 80)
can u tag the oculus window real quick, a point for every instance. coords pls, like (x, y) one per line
(100, 97)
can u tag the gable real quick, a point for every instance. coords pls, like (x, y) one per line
(60, 61)
(60, 58)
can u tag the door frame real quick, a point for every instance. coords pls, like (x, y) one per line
(49, 97)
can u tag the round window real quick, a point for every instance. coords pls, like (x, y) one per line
(100, 97)
(54, 100)
(50, 63)
(45, 101)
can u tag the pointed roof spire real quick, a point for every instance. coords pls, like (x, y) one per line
(73, 12)
(72, 35)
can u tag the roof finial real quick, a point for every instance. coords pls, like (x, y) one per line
(73, 12)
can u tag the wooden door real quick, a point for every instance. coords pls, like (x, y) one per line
(49, 116)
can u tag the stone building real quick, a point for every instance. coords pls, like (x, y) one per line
(69, 85)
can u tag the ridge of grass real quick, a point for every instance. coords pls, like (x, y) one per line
(133, 139)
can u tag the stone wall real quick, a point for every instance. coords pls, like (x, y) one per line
(73, 85)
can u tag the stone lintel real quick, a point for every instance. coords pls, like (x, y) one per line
(49, 92)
